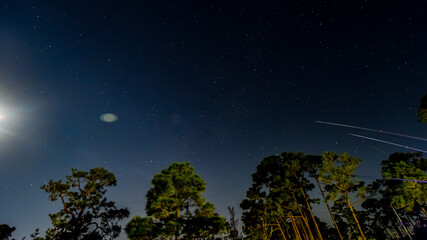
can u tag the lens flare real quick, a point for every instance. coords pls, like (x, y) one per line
(108, 117)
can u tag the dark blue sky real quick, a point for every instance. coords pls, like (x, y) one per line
(220, 84)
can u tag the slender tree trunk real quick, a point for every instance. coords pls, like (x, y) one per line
(329, 209)
(400, 220)
(409, 220)
(280, 228)
(311, 213)
(355, 218)
(303, 218)
(303, 228)
(177, 233)
(287, 232)
(294, 225)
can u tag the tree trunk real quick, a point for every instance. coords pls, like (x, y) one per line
(355, 218)
(177, 233)
(312, 216)
(329, 208)
(303, 217)
(400, 220)
(304, 231)
(294, 225)
(281, 230)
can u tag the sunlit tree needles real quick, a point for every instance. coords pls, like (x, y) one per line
(176, 208)
(406, 194)
(277, 204)
(338, 178)
(315, 164)
(86, 213)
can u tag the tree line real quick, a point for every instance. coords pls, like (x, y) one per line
(278, 205)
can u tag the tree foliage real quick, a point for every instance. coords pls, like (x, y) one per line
(338, 178)
(142, 228)
(399, 168)
(86, 213)
(276, 204)
(176, 208)
(407, 197)
(6, 231)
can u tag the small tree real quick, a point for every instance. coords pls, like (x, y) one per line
(86, 213)
(233, 223)
(176, 208)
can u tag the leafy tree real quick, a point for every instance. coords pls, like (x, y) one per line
(379, 219)
(337, 176)
(142, 228)
(86, 213)
(422, 110)
(176, 208)
(6, 231)
(408, 197)
(400, 169)
(277, 204)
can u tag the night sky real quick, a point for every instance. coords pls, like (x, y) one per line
(220, 84)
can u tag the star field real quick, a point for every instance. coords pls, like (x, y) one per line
(219, 84)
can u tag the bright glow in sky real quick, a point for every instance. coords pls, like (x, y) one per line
(108, 117)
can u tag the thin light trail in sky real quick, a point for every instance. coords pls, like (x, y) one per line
(396, 179)
(410, 180)
(387, 142)
(372, 130)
